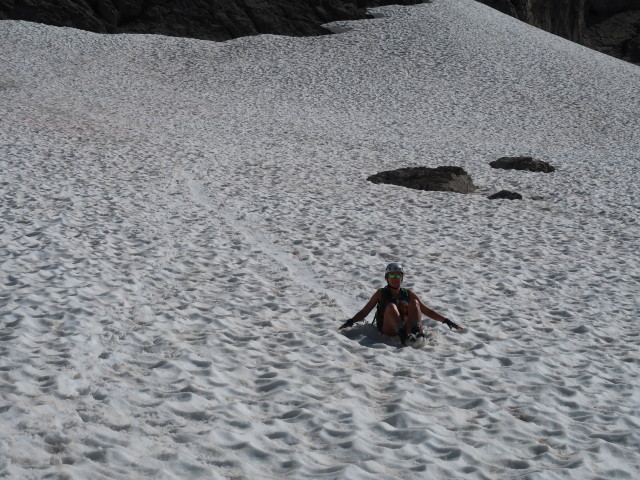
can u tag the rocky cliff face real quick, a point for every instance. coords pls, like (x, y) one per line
(205, 19)
(610, 26)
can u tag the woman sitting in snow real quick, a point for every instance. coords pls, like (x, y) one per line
(399, 310)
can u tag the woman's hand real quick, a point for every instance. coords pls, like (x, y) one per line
(451, 324)
(346, 324)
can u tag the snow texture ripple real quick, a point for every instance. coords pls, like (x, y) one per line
(185, 224)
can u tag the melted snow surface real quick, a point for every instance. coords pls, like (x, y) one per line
(185, 224)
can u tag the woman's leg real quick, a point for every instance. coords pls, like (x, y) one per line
(392, 321)
(415, 317)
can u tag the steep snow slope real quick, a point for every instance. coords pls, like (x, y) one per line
(186, 224)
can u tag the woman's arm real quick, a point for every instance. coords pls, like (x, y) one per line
(432, 313)
(366, 310)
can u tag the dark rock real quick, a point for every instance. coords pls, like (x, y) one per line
(440, 179)
(617, 36)
(561, 17)
(523, 163)
(204, 19)
(609, 26)
(505, 194)
(633, 50)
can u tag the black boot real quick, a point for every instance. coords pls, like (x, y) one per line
(416, 333)
(403, 336)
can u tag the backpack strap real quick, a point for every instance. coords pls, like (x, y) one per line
(385, 294)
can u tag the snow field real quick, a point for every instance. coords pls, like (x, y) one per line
(186, 224)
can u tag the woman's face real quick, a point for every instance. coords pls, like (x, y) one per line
(394, 279)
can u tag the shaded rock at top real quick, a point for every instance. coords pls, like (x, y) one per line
(609, 26)
(523, 163)
(440, 179)
(217, 20)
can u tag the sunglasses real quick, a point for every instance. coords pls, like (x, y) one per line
(391, 275)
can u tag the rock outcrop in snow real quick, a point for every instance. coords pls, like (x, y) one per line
(505, 195)
(523, 163)
(440, 179)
